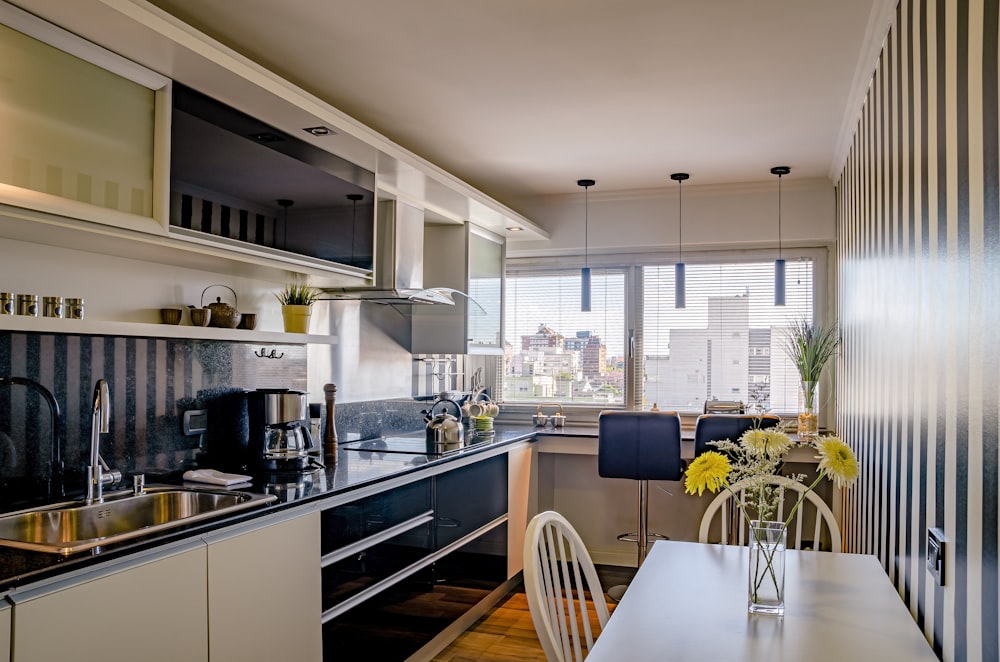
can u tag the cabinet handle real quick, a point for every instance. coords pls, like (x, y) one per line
(363, 544)
(449, 523)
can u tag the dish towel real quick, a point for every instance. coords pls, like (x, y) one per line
(215, 477)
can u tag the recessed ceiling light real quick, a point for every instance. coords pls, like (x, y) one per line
(319, 130)
(514, 229)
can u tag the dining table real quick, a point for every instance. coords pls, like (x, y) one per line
(688, 602)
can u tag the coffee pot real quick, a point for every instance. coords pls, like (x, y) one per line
(279, 430)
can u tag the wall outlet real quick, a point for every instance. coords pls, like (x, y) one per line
(935, 554)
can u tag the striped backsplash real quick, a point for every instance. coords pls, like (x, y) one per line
(152, 381)
(919, 284)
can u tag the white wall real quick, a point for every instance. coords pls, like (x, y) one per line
(715, 217)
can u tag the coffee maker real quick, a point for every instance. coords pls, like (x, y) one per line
(278, 431)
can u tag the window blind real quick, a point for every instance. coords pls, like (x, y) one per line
(727, 344)
(555, 352)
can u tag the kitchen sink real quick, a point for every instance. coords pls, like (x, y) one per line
(76, 526)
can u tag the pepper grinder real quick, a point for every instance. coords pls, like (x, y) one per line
(329, 428)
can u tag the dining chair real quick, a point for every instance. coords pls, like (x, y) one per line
(558, 575)
(819, 512)
(715, 427)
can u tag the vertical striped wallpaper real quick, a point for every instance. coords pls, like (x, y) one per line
(919, 283)
(152, 382)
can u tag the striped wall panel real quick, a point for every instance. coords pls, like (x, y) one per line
(919, 284)
(152, 381)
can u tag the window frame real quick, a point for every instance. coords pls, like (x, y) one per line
(824, 300)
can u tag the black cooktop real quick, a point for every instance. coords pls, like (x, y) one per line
(415, 445)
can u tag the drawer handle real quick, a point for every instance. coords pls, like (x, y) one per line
(449, 523)
(363, 544)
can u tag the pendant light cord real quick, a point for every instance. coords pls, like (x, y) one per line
(779, 216)
(680, 220)
(586, 225)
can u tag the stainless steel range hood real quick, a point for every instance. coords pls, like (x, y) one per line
(399, 261)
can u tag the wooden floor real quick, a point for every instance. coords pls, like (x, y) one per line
(507, 633)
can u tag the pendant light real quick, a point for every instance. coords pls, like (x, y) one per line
(679, 281)
(779, 264)
(585, 272)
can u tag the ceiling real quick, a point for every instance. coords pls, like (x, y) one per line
(521, 98)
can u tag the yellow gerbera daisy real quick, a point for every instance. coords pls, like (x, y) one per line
(837, 461)
(709, 471)
(772, 443)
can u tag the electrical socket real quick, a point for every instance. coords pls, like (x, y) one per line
(936, 554)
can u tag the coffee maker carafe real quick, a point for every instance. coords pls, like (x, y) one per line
(279, 430)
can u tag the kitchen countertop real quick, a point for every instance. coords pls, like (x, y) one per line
(352, 471)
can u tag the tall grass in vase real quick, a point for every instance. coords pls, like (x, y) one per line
(810, 347)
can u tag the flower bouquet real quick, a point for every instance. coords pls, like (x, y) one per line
(754, 463)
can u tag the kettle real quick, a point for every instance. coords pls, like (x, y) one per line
(444, 429)
(223, 315)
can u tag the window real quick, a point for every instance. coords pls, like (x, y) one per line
(555, 353)
(727, 344)
(730, 331)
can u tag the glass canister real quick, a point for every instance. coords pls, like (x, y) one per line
(27, 304)
(6, 303)
(73, 309)
(52, 306)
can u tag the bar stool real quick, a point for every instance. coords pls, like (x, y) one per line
(715, 427)
(641, 446)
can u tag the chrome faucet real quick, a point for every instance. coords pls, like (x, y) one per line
(98, 471)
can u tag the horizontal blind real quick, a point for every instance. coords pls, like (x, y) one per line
(728, 342)
(556, 353)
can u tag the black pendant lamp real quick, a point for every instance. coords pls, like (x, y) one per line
(679, 281)
(585, 272)
(779, 264)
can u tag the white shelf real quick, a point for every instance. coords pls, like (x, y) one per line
(27, 324)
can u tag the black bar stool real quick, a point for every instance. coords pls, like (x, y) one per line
(716, 427)
(641, 446)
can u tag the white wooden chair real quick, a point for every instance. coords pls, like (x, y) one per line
(731, 524)
(557, 571)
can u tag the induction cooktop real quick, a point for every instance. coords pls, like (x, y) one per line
(413, 445)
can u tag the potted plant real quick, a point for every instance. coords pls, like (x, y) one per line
(810, 346)
(296, 301)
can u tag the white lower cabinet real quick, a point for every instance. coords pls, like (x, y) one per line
(4, 632)
(264, 585)
(153, 607)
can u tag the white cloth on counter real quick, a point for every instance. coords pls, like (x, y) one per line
(215, 477)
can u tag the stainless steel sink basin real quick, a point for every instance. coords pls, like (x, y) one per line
(73, 527)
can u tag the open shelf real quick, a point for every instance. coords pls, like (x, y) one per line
(28, 324)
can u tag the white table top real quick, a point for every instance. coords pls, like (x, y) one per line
(689, 602)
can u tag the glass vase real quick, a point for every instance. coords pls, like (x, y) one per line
(808, 421)
(766, 581)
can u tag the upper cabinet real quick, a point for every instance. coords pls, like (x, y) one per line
(150, 140)
(470, 260)
(238, 180)
(78, 137)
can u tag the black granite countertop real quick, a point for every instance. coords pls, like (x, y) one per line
(352, 470)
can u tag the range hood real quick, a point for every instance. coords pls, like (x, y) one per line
(399, 261)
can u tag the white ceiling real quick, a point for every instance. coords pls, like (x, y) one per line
(523, 97)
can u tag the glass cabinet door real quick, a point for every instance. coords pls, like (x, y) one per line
(485, 321)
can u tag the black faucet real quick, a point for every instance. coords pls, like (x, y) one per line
(55, 485)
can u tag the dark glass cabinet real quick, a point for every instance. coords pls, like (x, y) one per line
(401, 566)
